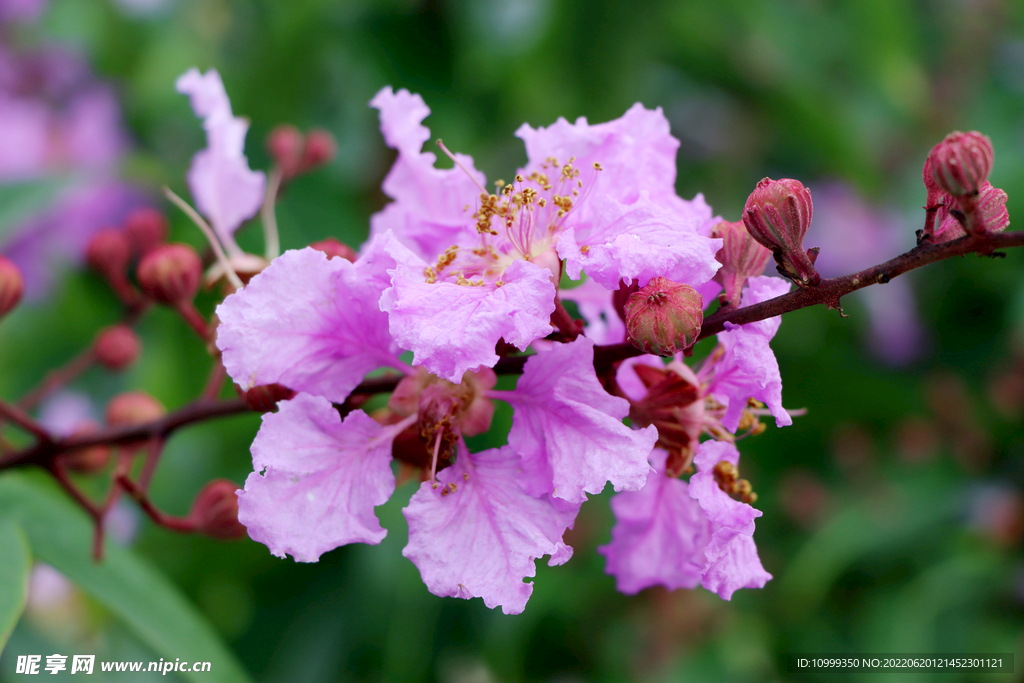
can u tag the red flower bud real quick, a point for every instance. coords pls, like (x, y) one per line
(12, 286)
(285, 145)
(171, 273)
(87, 460)
(215, 510)
(146, 228)
(133, 408)
(961, 162)
(117, 347)
(664, 317)
(333, 247)
(109, 252)
(320, 149)
(777, 215)
(265, 397)
(741, 258)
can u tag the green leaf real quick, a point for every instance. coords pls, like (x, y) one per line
(14, 571)
(150, 606)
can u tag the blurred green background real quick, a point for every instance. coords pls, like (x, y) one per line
(893, 511)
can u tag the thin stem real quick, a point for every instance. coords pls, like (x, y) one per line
(271, 238)
(22, 419)
(211, 237)
(159, 517)
(216, 380)
(154, 450)
(564, 322)
(187, 310)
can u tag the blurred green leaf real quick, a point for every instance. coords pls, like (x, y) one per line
(14, 571)
(153, 608)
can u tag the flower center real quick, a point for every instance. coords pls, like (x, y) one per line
(520, 220)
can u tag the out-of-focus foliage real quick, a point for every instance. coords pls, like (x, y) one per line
(893, 511)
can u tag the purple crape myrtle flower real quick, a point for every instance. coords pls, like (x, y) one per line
(21, 10)
(854, 235)
(680, 534)
(310, 323)
(225, 189)
(568, 430)
(600, 197)
(476, 532)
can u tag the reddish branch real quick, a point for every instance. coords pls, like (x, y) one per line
(827, 292)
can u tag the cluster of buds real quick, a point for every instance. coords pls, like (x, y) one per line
(111, 250)
(777, 214)
(295, 153)
(960, 199)
(12, 286)
(664, 317)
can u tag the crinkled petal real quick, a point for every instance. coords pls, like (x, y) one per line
(659, 535)
(309, 323)
(454, 328)
(636, 151)
(733, 563)
(569, 430)
(748, 368)
(637, 241)
(732, 560)
(430, 212)
(225, 189)
(478, 533)
(317, 479)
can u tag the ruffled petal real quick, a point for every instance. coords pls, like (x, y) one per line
(569, 430)
(225, 189)
(659, 535)
(748, 368)
(604, 326)
(309, 323)
(317, 479)
(636, 151)
(639, 241)
(454, 328)
(430, 211)
(478, 533)
(732, 560)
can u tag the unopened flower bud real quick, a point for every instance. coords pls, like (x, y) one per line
(171, 273)
(285, 145)
(215, 510)
(87, 460)
(741, 258)
(320, 149)
(117, 347)
(265, 397)
(991, 214)
(333, 247)
(777, 215)
(961, 162)
(133, 408)
(664, 317)
(146, 229)
(621, 295)
(12, 286)
(108, 253)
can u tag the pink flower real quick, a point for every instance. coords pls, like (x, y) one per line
(225, 189)
(310, 323)
(568, 429)
(477, 533)
(317, 479)
(677, 534)
(601, 197)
